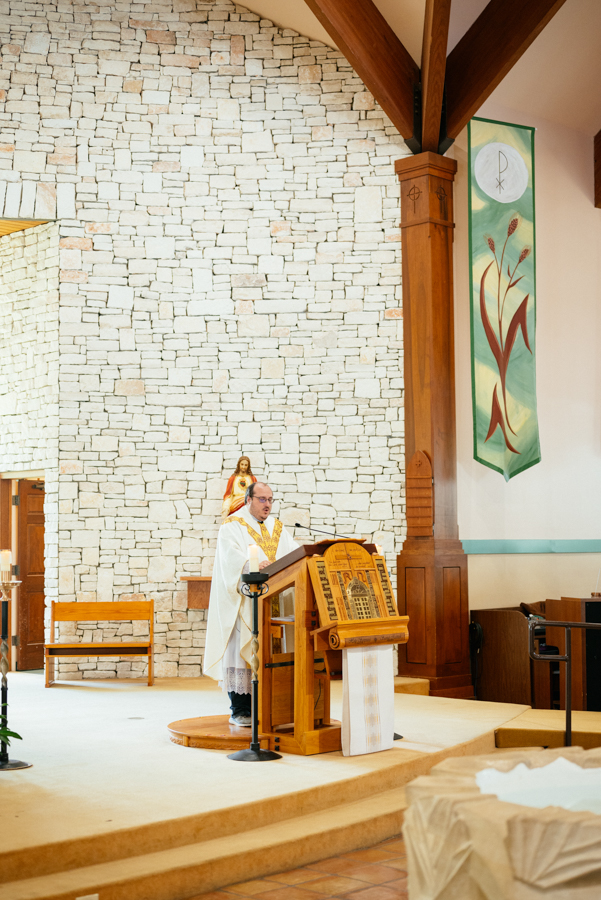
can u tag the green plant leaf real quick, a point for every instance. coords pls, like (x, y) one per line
(6, 734)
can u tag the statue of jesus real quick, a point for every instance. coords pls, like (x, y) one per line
(235, 492)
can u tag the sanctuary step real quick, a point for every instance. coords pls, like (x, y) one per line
(405, 685)
(136, 817)
(203, 866)
(546, 728)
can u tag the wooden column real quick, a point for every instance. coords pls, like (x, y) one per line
(432, 567)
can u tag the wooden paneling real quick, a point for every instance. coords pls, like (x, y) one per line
(415, 605)
(585, 667)
(5, 541)
(452, 614)
(489, 49)
(30, 615)
(434, 58)
(419, 492)
(504, 664)
(304, 689)
(8, 226)
(5, 511)
(598, 170)
(376, 54)
(569, 609)
(199, 590)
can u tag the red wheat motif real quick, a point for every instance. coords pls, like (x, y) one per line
(502, 342)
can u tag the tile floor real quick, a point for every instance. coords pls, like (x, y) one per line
(377, 873)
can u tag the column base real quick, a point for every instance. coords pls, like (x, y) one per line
(432, 591)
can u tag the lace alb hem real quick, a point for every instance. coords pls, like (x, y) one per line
(237, 680)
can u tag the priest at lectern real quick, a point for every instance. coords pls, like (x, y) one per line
(227, 651)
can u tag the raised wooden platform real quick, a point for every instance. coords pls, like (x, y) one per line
(209, 733)
(405, 685)
(216, 733)
(546, 728)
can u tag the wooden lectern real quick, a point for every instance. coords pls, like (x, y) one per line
(342, 598)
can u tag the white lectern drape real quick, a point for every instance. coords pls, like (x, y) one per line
(368, 700)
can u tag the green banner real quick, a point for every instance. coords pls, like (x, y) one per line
(503, 295)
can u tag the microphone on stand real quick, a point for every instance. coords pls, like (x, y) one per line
(317, 531)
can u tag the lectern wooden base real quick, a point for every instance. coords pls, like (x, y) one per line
(216, 733)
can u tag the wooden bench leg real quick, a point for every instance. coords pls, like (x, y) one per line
(150, 668)
(49, 670)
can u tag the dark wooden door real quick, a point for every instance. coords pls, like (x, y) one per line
(6, 540)
(30, 614)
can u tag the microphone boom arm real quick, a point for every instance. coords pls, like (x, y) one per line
(317, 531)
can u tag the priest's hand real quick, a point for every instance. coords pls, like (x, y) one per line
(263, 563)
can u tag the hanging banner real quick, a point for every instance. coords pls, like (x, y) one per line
(503, 295)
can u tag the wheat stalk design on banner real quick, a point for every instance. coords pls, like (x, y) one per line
(502, 341)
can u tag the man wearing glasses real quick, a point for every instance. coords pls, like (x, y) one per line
(227, 650)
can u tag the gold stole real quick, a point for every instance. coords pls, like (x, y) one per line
(268, 543)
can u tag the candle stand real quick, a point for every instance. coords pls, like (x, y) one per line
(5, 762)
(254, 585)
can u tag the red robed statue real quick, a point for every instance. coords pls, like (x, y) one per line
(233, 499)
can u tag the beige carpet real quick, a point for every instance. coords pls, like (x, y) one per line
(103, 760)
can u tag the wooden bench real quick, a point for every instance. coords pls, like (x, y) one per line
(126, 611)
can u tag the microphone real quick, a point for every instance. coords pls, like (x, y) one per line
(329, 533)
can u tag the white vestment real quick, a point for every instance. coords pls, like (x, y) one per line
(230, 612)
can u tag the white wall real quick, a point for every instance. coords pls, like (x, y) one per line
(558, 498)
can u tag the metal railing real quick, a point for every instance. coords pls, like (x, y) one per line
(557, 657)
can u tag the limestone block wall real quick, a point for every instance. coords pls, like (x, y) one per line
(29, 409)
(29, 348)
(230, 283)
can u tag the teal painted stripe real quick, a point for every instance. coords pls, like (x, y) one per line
(534, 546)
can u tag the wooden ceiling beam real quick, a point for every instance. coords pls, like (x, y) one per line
(376, 54)
(488, 50)
(434, 59)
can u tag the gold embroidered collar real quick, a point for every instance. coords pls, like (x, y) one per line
(268, 543)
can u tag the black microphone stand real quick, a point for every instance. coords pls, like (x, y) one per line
(254, 585)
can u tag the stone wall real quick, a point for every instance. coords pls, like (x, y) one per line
(230, 283)
(29, 349)
(29, 309)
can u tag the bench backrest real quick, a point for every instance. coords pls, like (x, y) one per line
(126, 610)
(97, 611)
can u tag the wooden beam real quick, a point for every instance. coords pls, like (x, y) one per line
(489, 49)
(434, 58)
(376, 54)
(598, 170)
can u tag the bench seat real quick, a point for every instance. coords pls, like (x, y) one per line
(97, 611)
(119, 648)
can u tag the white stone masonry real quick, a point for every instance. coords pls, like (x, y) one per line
(229, 283)
(29, 308)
